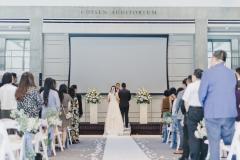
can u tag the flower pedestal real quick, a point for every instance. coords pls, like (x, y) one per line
(143, 113)
(93, 113)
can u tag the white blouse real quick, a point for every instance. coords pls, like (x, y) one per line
(7, 97)
(191, 95)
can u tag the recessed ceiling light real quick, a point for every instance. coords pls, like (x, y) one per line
(226, 28)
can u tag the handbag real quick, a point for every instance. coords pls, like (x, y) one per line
(67, 115)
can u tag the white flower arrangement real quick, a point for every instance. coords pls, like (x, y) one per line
(93, 96)
(53, 118)
(201, 131)
(167, 118)
(143, 96)
(25, 123)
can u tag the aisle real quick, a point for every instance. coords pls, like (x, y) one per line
(123, 148)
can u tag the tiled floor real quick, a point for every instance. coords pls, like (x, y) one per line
(92, 148)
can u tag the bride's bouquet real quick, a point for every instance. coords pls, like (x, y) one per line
(143, 96)
(93, 96)
(201, 132)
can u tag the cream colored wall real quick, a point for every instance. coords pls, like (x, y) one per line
(56, 65)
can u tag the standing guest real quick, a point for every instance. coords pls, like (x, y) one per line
(30, 101)
(238, 93)
(7, 96)
(180, 116)
(14, 82)
(198, 149)
(51, 104)
(176, 122)
(65, 100)
(217, 95)
(27, 96)
(50, 98)
(185, 154)
(166, 107)
(173, 93)
(76, 109)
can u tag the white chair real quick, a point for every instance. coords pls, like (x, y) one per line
(69, 134)
(5, 149)
(58, 135)
(40, 138)
(15, 142)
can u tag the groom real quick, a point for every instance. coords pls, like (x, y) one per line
(125, 97)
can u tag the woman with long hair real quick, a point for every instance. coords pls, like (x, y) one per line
(76, 109)
(50, 98)
(65, 100)
(27, 96)
(30, 101)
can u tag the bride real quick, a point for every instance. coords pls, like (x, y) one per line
(114, 121)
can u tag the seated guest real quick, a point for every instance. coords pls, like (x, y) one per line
(27, 96)
(166, 107)
(217, 94)
(7, 96)
(198, 149)
(238, 93)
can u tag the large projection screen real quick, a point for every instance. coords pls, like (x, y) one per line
(101, 61)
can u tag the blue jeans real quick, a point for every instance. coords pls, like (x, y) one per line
(164, 133)
(174, 132)
(180, 133)
(217, 129)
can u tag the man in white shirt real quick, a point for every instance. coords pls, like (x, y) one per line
(7, 96)
(198, 149)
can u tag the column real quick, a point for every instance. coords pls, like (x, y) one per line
(201, 43)
(36, 47)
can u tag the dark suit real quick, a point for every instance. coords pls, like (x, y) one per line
(125, 97)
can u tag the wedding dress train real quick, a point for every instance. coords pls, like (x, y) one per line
(114, 122)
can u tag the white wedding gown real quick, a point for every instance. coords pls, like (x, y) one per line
(114, 121)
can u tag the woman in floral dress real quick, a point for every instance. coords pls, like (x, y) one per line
(76, 109)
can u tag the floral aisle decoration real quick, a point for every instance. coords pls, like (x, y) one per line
(93, 96)
(53, 119)
(201, 132)
(143, 96)
(28, 126)
(167, 118)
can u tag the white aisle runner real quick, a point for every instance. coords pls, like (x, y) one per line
(122, 148)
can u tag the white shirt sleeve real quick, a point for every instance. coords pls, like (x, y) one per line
(187, 94)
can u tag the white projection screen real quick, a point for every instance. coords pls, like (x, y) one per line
(101, 61)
